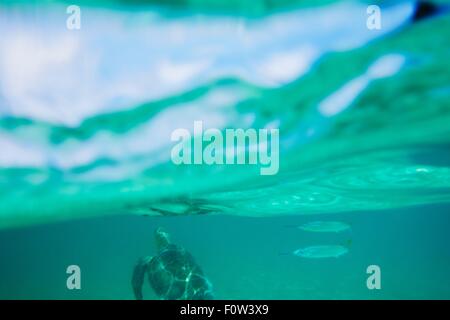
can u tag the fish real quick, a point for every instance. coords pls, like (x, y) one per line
(322, 251)
(325, 226)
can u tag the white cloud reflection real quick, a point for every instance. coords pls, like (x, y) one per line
(119, 59)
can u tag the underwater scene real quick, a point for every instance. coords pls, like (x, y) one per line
(224, 149)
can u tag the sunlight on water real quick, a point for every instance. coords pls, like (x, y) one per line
(88, 153)
(86, 118)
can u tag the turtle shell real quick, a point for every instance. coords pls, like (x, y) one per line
(174, 275)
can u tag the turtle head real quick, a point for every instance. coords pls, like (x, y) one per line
(162, 238)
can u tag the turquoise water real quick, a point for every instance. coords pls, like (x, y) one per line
(86, 118)
(239, 255)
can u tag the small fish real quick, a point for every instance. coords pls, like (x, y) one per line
(325, 226)
(319, 252)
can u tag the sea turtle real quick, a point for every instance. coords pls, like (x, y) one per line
(172, 273)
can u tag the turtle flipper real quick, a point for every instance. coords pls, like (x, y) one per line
(138, 277)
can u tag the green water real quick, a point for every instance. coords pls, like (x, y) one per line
(240, 256)
(85, 170)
